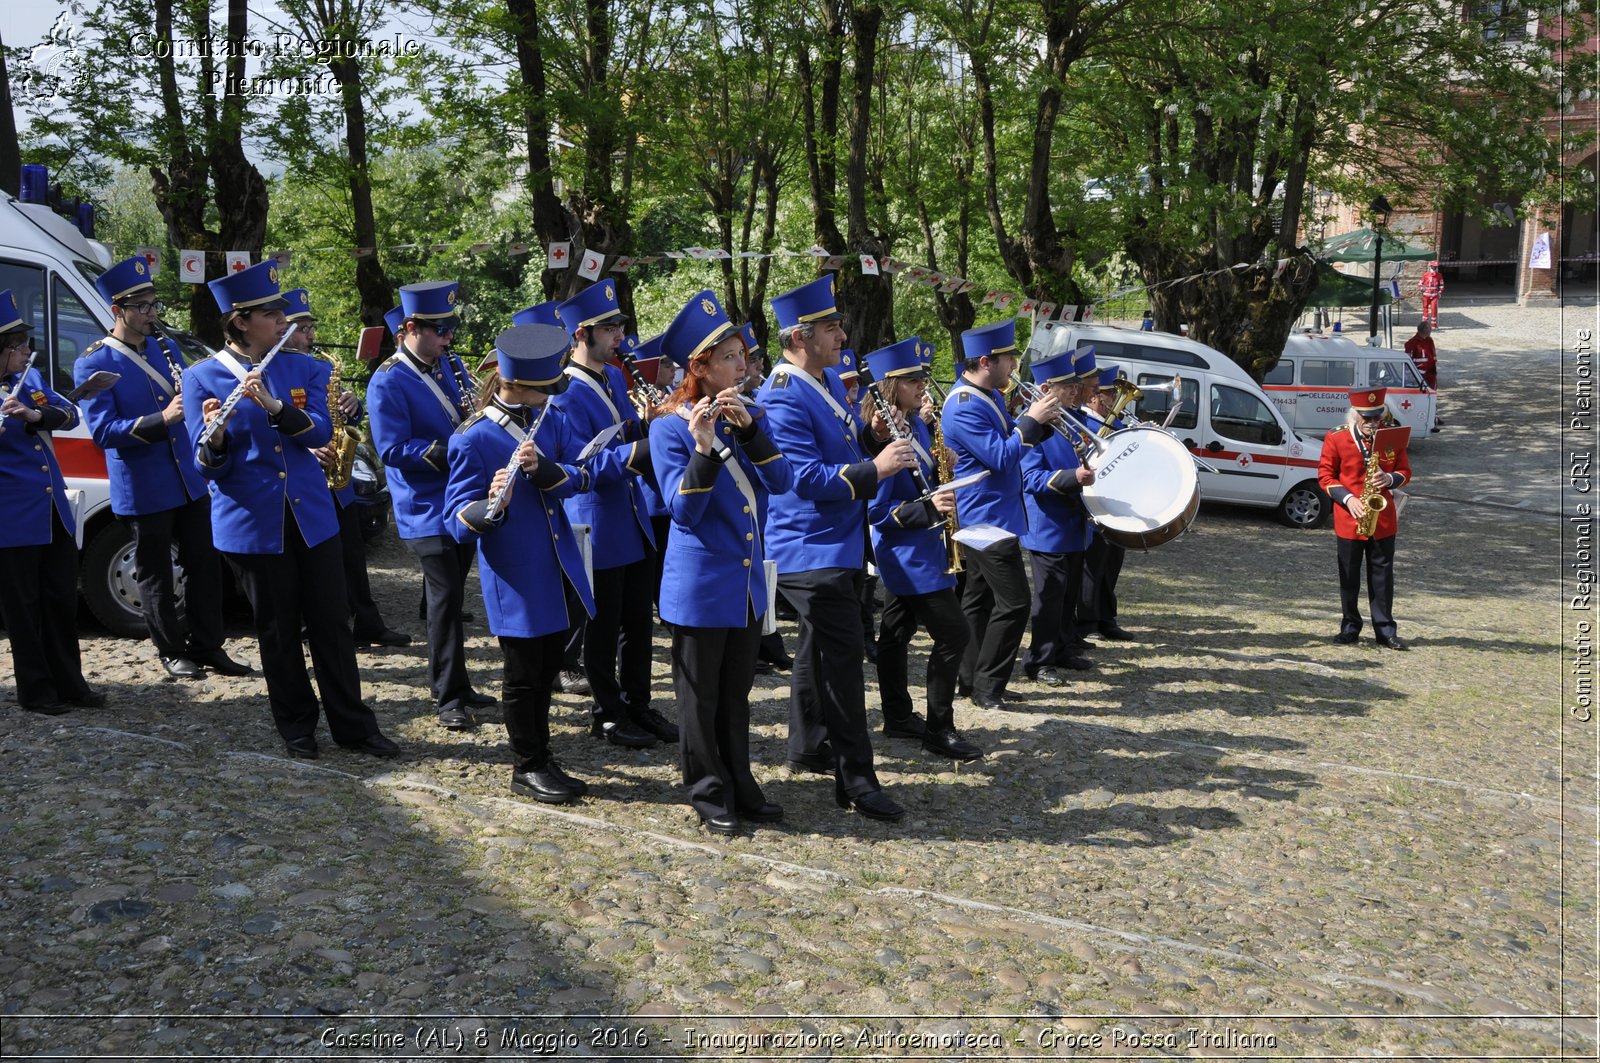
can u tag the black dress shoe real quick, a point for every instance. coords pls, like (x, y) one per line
(652, 721)
(1076, 663)
(577, 786)
(1115, 633)
(90, 698)
(219, 662)
(48, 708)
(542, 785)
(387, 637)
(963, 689)
(181, 668)
(476, 700)
(374, 745)
(1049, 676)
(571, 682)
(457, 719)
(722, 823)
(818, 763)
(621, 733)
(869, 649)
(1393, 642)
(912, 726)
(875, 804)
(781, 661)
(988, 701)
(1347, 638)
(949, 743)
(301, 748)
(767, 812)
(467, 618)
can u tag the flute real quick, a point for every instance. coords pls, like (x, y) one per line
(32, 357)
(213, 429)
(499, 499)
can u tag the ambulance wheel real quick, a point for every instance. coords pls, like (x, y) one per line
(1305, 506)
(107, 579)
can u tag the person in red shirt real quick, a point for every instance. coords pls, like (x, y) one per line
(1425, 355)
(1343, 474)
(1431, 288)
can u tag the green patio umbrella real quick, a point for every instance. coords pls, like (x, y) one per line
(1361, 245)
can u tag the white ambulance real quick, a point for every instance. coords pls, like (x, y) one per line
(1225, 418)
(1312, 381)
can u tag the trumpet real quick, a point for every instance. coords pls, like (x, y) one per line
(1128, 392)
(210, 433)
(1069, 426)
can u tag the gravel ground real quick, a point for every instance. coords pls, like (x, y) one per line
(1232, 839)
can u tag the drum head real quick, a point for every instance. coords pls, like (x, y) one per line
(1144, 483)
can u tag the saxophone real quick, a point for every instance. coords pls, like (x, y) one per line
(345, 438)
(1372, 500)
(947, 472)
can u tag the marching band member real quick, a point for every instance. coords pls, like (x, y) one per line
(716, 469)
(850, 377)
(980, 431)
(155, 488)
(528, 560)
(369, 625)
(617, 640)
(1058, 533)
(1343, 474)
(773, 655)
(1102, 561)
(416, 403)
(816, 532)
(38, 546)
(913, 562)
(272, 516)
(647, 359)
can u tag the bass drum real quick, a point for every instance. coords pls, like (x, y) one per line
(1145, 490)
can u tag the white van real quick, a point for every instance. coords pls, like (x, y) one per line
(1312, 381)
(1226, 419)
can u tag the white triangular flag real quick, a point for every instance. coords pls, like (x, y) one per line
(1088, 312)
(993, 294)
(834, 262)
(589, 268)
(282, 258)
(717, 252)
(1003, 300)
(818, 251)
(238, 261)
(1027, 307)
(192, 266)
(152, 259)
(622, 264)
(869, 266)
(557, 254)
(517, 248)
(697, 252)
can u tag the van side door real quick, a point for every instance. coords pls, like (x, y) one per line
(1244, 440)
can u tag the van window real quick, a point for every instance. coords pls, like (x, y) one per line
(1237, 414)
(1282, 373)
(1109, 352)
(1385, 375)
(27, 288)
(75, 329)
(1155, 404)
(1328, 373)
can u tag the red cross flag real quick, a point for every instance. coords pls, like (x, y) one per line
(869, 266)
(589, 268)
(817, 251)
(1046, 311)
(697, 252)
(152, 259)
(238, 261)
(622, 264)
(558, 255)
(517, 248)
(1027, 307)
(192, 266)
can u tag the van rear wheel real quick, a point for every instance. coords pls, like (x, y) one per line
(1305, 506)
(106, 578)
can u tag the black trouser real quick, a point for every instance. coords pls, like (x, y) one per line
(617, 641)
(357, 585)
(1378, 554)
(869, 608)
(1102, 564)
(40, 605)
(288, 592)
(827, 695)
(189, 526)
(712, 671)
(445, 564)
(940, 613)
(662, 526)
(996, 603)
(531, 666)
(1057, 581)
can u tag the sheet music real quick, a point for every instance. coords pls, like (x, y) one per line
(982, 536)
(600, 442)
(96, 383)
(959, 482)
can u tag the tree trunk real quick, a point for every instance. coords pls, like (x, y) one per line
(550, 221)
(10, 150)
(867, 300)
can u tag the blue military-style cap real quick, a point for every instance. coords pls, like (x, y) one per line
(812, 301)
(699, 326)
(595, 305)
(538, 314)
(395, 319)
(10, 316)
(128, 277)
(255, 288)
(748, 331)
(848, 370)
(433, 301)
(898, 359)
(299, 308)
(647, 356)
(988, 341)
(1083, 364)
(1054, 369)
(925, 353)
(532, 356)
(1108, 377)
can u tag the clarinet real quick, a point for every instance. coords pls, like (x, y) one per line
(464, 383)
(498, 499)
(32, 357)
(209, 434)
(895, 431)
(175, 363)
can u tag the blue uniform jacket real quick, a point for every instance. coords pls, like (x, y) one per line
(30, 476)
(523, 556)
(1057, 522)
(150, 464)
(821, 521)
(907, 537)
(265, 464)
(716, 543)
(411, 430)
(615, 511)
(983, 436)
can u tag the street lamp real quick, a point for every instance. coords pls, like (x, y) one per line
(1380, 210)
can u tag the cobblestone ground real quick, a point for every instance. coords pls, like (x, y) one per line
(1232, 839)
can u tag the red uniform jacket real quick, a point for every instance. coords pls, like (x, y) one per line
(1432, 283)
(1342, 466)
(1426, 355)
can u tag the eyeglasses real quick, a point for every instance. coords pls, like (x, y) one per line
(21, 343)
(152, 306)
(442, 328)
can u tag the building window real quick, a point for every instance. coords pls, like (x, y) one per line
(1500, 20)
